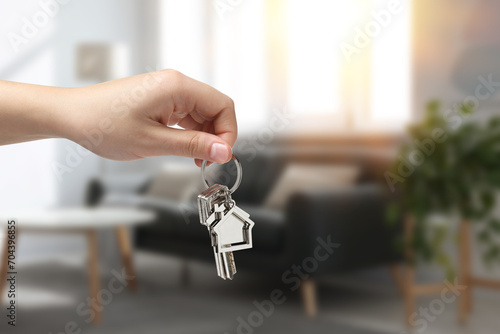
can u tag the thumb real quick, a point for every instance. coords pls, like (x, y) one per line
(193, 144)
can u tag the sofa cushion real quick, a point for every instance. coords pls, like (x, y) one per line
(173, 181)
(303, 177)
(269, 229)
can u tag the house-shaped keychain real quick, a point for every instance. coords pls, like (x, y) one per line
(232, 229)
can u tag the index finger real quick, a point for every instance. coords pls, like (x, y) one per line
(192, 96)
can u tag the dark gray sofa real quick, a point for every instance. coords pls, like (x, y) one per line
(352, 217)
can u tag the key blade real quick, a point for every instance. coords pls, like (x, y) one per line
(228, 267)
(218, 264)
(232, 263)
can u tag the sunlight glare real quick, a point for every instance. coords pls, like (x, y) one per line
(316, 28)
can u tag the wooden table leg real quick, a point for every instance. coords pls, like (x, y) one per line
(409, 289)
(94, 273)
(398, 278)
(409, 294)
(466, 277)
(465, 271)
(126, 253)
(308, 289)
(4, 266)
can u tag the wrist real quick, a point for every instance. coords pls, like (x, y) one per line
(29, 112)
(58, 120)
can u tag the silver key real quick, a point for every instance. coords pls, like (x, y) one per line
(225, 264)
(231, 230)
(217, 196)
(229, 226)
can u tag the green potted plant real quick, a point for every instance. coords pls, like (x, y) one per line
(449, 166)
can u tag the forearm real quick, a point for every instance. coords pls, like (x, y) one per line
(30, 112)
(125, 119)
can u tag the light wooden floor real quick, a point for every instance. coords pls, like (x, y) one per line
(378, 307)
(348, 304)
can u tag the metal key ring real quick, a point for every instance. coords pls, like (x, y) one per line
(238, 174)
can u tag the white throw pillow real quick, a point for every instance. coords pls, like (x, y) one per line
(297, 177)
(180, 182)
(172, 181)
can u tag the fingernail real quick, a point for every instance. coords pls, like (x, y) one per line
(219, 153)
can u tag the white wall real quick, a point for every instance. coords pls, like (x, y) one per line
(49, 58)
(25, 176)
(94, 21)
(455, 42)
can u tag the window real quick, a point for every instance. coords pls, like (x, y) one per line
(390, 86)
(349, 63)
(288, 54)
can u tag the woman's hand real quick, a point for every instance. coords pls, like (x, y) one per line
(127, 119)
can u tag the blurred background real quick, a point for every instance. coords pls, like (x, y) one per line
(368, 139)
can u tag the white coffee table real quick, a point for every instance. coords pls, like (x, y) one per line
(86, 221)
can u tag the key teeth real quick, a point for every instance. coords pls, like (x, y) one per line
(232, 263)
(227, 265)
